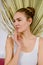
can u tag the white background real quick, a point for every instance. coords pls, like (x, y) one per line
(3, 36)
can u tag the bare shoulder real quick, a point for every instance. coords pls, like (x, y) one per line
(40, 53)
(41, 42)
(9, 38)
(9, 48)
(9, 41)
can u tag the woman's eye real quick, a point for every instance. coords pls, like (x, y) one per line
(16, 20)
(19, 20)
(13, 20)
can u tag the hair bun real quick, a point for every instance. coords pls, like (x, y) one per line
(32, 10)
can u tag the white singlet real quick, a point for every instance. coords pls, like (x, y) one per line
(29, 58)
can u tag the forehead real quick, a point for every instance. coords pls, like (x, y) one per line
(19, 15)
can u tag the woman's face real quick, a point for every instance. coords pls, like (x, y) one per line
(20, 22)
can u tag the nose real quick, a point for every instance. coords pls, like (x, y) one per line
(16, 23)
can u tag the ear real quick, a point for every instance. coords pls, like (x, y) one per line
(30, 20)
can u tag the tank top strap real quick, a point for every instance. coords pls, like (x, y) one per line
(37, 44)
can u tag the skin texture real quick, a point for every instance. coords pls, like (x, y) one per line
(24, 39)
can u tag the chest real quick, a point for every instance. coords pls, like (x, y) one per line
(28, 58)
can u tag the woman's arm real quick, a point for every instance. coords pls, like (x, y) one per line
(9, 60)
(40, 55)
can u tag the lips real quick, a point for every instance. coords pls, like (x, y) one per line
(17, 27)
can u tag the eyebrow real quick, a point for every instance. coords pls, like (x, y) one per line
(17, 18)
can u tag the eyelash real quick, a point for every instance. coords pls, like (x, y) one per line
(14, 21)
(18, 20)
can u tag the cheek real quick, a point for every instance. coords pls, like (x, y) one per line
(24, 25)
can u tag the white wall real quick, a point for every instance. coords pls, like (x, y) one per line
(3, 37)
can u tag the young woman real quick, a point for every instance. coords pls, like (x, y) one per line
(24, 48)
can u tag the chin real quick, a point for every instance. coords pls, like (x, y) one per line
(20, 31)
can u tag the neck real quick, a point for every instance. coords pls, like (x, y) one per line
(27, 34)
(27, 37)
